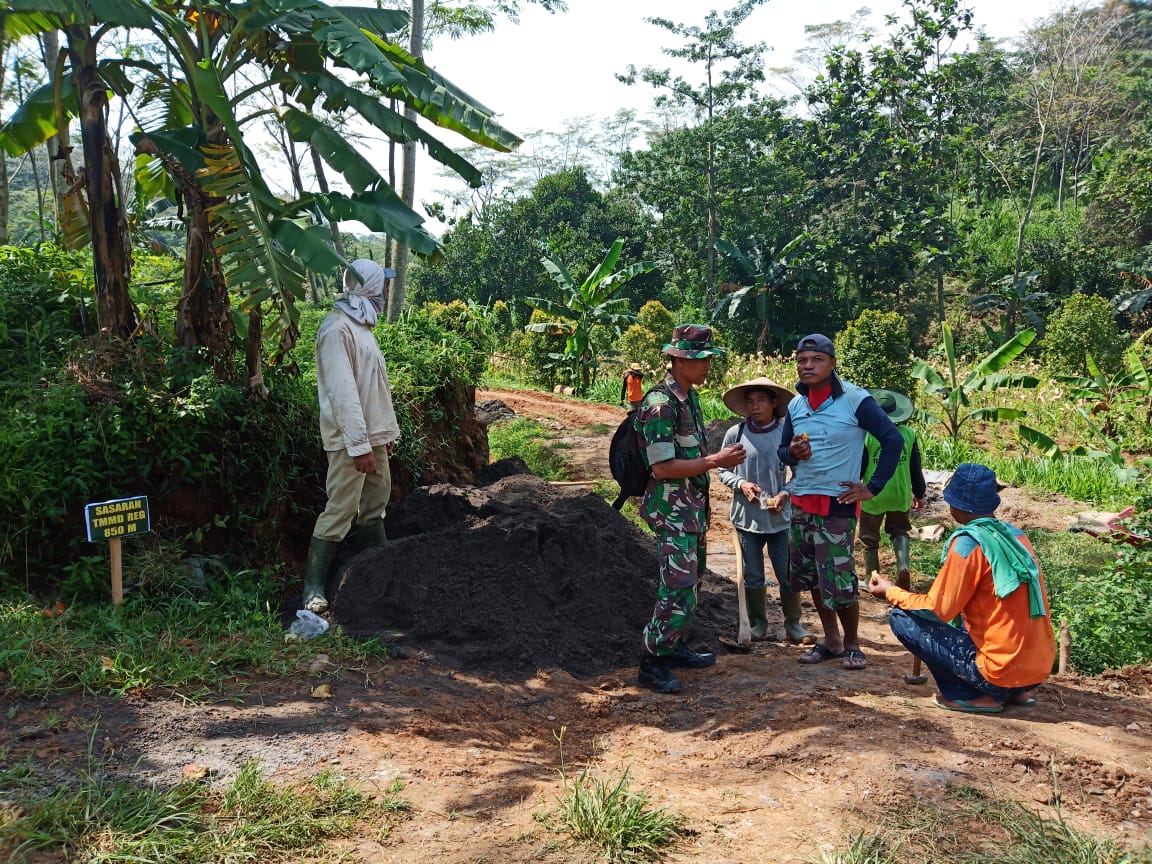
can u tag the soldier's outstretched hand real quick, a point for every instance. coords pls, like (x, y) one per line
(731, 456)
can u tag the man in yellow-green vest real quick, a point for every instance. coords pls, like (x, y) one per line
(892, 506)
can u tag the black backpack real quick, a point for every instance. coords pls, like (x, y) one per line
(625, 460)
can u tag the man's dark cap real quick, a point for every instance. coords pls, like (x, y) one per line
(817, 342)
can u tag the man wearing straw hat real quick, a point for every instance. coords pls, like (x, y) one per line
(632, 387)
(904, 492)
(761, 512)
(358, 426)
(670, 424)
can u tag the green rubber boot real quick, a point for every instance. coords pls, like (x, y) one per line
(321, 555)
(370, 534)
(903, 562)
(793, 629)
(871, 563)
(756, 600)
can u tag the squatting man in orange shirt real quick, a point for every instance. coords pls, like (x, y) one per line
(1003, 646)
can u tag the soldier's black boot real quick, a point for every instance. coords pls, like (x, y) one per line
(685, 658)
(656, 675)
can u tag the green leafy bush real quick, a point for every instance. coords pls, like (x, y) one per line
(226, 474)
(874, 351)
(1083, 326)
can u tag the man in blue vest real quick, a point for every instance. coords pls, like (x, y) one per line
(824, 431)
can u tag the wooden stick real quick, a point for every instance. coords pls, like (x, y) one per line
(117, 575)
(744, 633)
(1065, 648)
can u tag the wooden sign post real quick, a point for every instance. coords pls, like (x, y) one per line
(112, 521)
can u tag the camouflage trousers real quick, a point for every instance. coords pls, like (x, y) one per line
(821, 557)
(683, 559)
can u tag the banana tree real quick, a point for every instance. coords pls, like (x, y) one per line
(1103, 392)
(585, 306)
(953, 393)
(242, 240)
(766, 272)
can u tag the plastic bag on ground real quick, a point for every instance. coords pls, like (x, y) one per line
(307, 625)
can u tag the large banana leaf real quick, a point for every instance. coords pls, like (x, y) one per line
(340, 97)
(342, 37)
(34, 122)
(603, 270)
(380, 22)
(311, 244)
(125, 13)
(559, 273)
(255, 266)
(443, 103)
(380, 210)
(1003, 355)
(333, 148)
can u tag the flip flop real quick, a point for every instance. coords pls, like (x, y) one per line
(854, 659)
(818, 654)
(966, 707)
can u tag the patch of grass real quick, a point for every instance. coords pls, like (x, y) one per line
(981, 829)
(1103, 598)
(192, 643)
(529, 440)
(97, 818)
(1082, 478)
(619, 822)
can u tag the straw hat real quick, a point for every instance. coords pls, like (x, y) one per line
(635, 367)
(736, 396)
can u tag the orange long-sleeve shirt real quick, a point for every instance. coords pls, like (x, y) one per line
(1013, 649)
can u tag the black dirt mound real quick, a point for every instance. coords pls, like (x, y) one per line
(508, 579)
(500, 469)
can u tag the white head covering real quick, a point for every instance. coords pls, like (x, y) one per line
(364, 301)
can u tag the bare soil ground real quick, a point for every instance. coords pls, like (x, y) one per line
(769, 760)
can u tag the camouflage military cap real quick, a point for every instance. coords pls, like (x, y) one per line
(691, 342)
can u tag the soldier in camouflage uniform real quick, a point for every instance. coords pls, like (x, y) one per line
(671, 425)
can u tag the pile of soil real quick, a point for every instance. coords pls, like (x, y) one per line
(511, 578)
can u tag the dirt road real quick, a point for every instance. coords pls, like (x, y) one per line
(769, 760)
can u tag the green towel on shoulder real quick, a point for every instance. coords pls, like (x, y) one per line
(1012, 565)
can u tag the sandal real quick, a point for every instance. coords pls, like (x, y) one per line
(966, 707)
(854, 659)
(818, 654)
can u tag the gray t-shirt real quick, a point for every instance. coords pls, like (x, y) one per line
(764, 468)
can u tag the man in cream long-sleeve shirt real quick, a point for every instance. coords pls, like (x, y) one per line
(358, 425)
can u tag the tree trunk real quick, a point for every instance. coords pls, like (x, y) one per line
(333, 225)
(4, 196)
(254, 355)
(58, 145)
(116, 315)
(407, 175)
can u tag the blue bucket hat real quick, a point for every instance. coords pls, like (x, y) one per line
(973, 489)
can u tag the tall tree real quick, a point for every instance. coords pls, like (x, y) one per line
(454, 20)
(731, 70)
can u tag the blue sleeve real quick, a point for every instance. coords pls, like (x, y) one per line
(916, 471)
(786, 436)
(871, 418)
